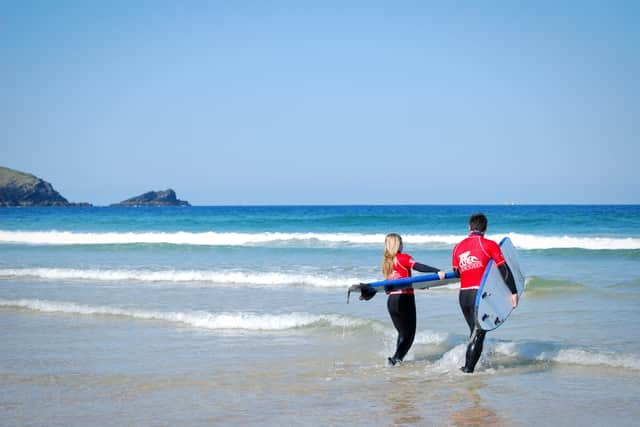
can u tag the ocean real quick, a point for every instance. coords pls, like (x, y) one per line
(194, 316)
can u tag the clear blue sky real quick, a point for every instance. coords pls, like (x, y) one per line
(304, 102)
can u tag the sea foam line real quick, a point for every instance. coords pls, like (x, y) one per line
(211, 238)
(200, 319)
(200, 277)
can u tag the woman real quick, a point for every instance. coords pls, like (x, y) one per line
(401, 302)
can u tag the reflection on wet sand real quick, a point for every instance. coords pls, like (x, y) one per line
(472, 410)
(408, 397)
(403, 410)
(449, 401)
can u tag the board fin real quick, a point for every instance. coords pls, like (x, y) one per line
(366, 291)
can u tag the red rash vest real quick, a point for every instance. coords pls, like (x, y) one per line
(471, 256)
(402, 266)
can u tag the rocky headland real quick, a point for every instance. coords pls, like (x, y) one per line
(154, 198)
(23, 189)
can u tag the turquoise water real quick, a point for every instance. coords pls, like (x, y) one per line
(238, 316)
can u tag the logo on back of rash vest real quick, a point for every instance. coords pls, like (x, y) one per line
(468, 261)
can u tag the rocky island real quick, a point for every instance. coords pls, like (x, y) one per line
(23, 189)
(154, 198)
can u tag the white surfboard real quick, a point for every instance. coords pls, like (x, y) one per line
(493, 301)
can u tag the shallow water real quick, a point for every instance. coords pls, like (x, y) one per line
(243, 327)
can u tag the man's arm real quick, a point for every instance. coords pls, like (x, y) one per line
(507, 275)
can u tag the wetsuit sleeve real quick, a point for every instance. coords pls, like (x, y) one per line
(507, 275)
(455, 261)
(424, 268)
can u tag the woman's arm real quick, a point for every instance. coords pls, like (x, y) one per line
(424, 268)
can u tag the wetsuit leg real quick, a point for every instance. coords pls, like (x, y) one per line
(402, 309)
(467, 301)
(474, 350)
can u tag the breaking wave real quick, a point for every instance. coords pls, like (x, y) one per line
(211, 238)
(522, 354)
(246, 321)
(200, 277)
(569, 356)
(533, 242)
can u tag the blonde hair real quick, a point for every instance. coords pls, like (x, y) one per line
(392, 245)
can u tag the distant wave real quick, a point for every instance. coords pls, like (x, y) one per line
(200, 277)
(211, 238)
(531, 242)
(200, 319)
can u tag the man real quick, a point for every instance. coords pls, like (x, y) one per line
(470, 258)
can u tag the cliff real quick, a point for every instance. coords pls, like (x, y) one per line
(23, 189)
(154, 198)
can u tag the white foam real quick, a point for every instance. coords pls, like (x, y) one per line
(531, 242)
(211, 238)
(199, 319)
(181, 238)
(587, 358)
(499, 353)
(182, 276)
(570, 356)
(451, 360)
(430, 338)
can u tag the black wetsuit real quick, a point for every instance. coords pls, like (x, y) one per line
(467, 300)
(402, 309)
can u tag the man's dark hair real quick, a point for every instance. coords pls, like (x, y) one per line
(478, 222)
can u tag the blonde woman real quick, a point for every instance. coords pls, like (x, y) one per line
(401, 302)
